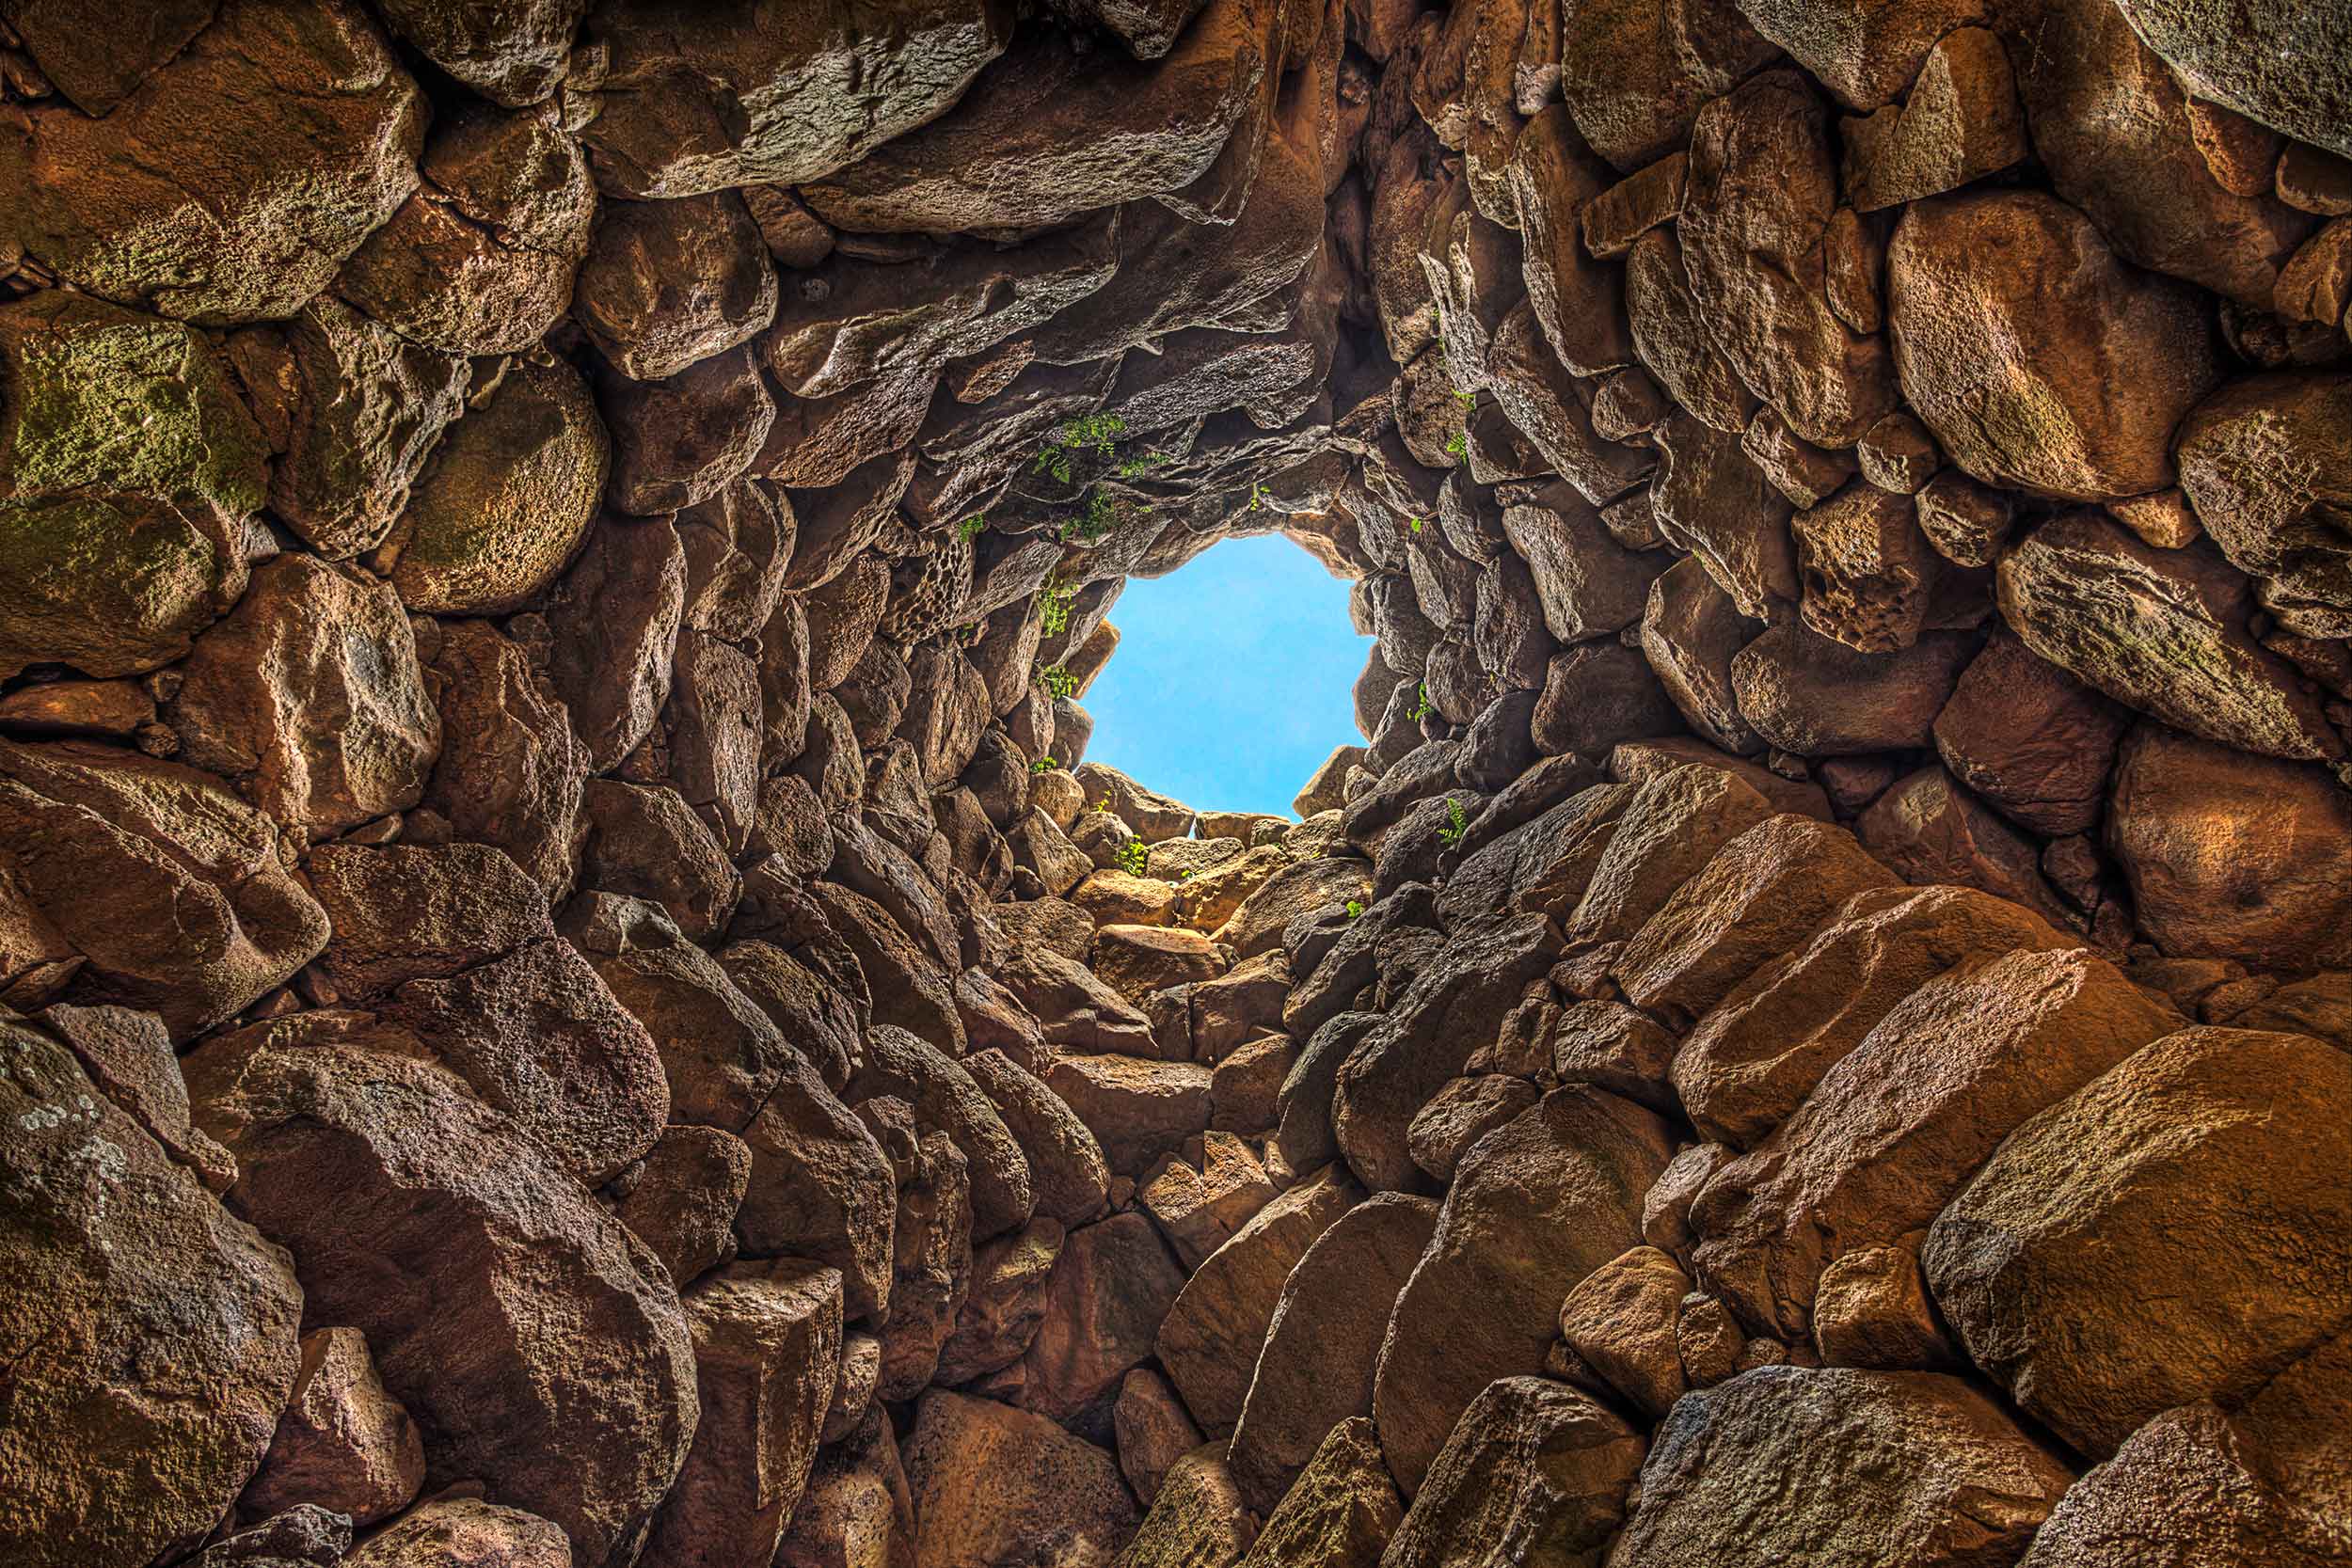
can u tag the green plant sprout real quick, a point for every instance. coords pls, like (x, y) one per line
(1095, 433)
(1091, 527)
(1057, 680)
(1468, 400)
(972, 527)
(1133, 857)
(1257, 497)
(1103, 805)
(1458, 447)
(1054, 606)
(1421, 708)
(1416, 522)
(1450, 832)
(1355, 907)
(1141, 464)
(1043, 765)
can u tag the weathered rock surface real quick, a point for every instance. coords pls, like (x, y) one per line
(167, 1325)
(2077, 1210)
(334, 1099)
(1908, 1466)
(1536, 1207)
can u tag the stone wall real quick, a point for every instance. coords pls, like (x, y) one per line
(568, 996)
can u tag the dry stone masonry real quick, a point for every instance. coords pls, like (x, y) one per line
(568, 996)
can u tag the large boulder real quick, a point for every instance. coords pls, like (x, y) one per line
(2231, 856)
(1315, 1372)
(1340, 1513)
(2162, 631)
(668, 284)
(2177, 1230)
(1210, 1340)
(480, 260)
(309, 131)
(2121, 137)
(1534, 1208)
(1537, 1472)
(767, 1355)
(2280, 64)
(993, 1484)
(504, 503)
(367, 408)
(1112, 1286)
(2013, 367)
(1762, 894)
(1843, 1469)
(173, 892)
(309, 696)
(2260, 461)
(540, 1346)
(2030, 738)
(1751, 1061)
(1008, 155)
(1635, 74)
(777, 92)
(153, 1333)
(1891, 1132)
(1762, 185)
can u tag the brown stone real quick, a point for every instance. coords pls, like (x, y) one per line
(1872, 1310)
(775, 94)
(1621, 1318)
(766, 1351)
(2164, 631)
(1841, 1465)
(1869, 577)
(1674, 339)
(1764, 893)
(1160, 127)
(1929, 829)
(503, 504)
(1196, 1516)
(1878, 1148)
(565, 1326)
(1533, 1209)
(1578, 300)
(1212, 1331)
(2231, 856)
(1961, 122)
(1762, 184)
(2257, 461)
(1154, 1431)
(683, 1202)
(1635, 75)
(171, 890)
(1807, 694)
(1112, 1285)
(1749, 1065)
(1535, 1471)
(311, 131)
(169, 1325)
(2009, 366)
(2034, 742)
(1340, 1514)
(991, 1481)
(2077, 1214)
(480, 260)
(2112, 125)
(1315, 1372)
(463, 1529)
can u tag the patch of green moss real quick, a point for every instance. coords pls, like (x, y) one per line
(100, 399)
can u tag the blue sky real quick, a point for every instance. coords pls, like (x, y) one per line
(1232, 678)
